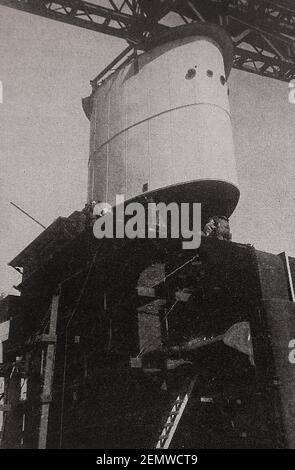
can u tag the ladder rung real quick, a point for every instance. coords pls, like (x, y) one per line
(168, 426)
(175, 415)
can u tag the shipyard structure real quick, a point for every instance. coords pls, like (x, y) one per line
(139, 343)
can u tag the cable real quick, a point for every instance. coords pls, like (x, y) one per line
(175, 271)
(28, 215)
(175, 303)
(163, 280)
(159, 336)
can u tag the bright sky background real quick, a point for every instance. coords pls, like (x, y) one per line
(45, 68)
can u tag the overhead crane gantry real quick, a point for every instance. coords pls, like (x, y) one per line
(263, 31)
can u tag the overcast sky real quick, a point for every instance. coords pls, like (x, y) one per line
(45, 68)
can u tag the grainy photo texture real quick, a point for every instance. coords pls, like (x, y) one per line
(147, 257)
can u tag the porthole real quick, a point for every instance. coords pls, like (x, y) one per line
(191, 73)
(209, 73)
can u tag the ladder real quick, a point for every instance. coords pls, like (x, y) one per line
(175, 414)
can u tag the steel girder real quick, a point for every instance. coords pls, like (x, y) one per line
(263, 31)
(119, 18)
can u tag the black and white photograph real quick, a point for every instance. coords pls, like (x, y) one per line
(147, 220)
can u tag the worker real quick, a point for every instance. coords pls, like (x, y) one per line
(218, 227)
(88, 212)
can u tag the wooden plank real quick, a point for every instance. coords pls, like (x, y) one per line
(48, 375)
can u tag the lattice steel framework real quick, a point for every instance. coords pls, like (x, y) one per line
(263, 31)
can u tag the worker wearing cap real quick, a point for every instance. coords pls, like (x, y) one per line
(218, 227)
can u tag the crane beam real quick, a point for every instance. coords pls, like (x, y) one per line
(111, 21)
(263, 31)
